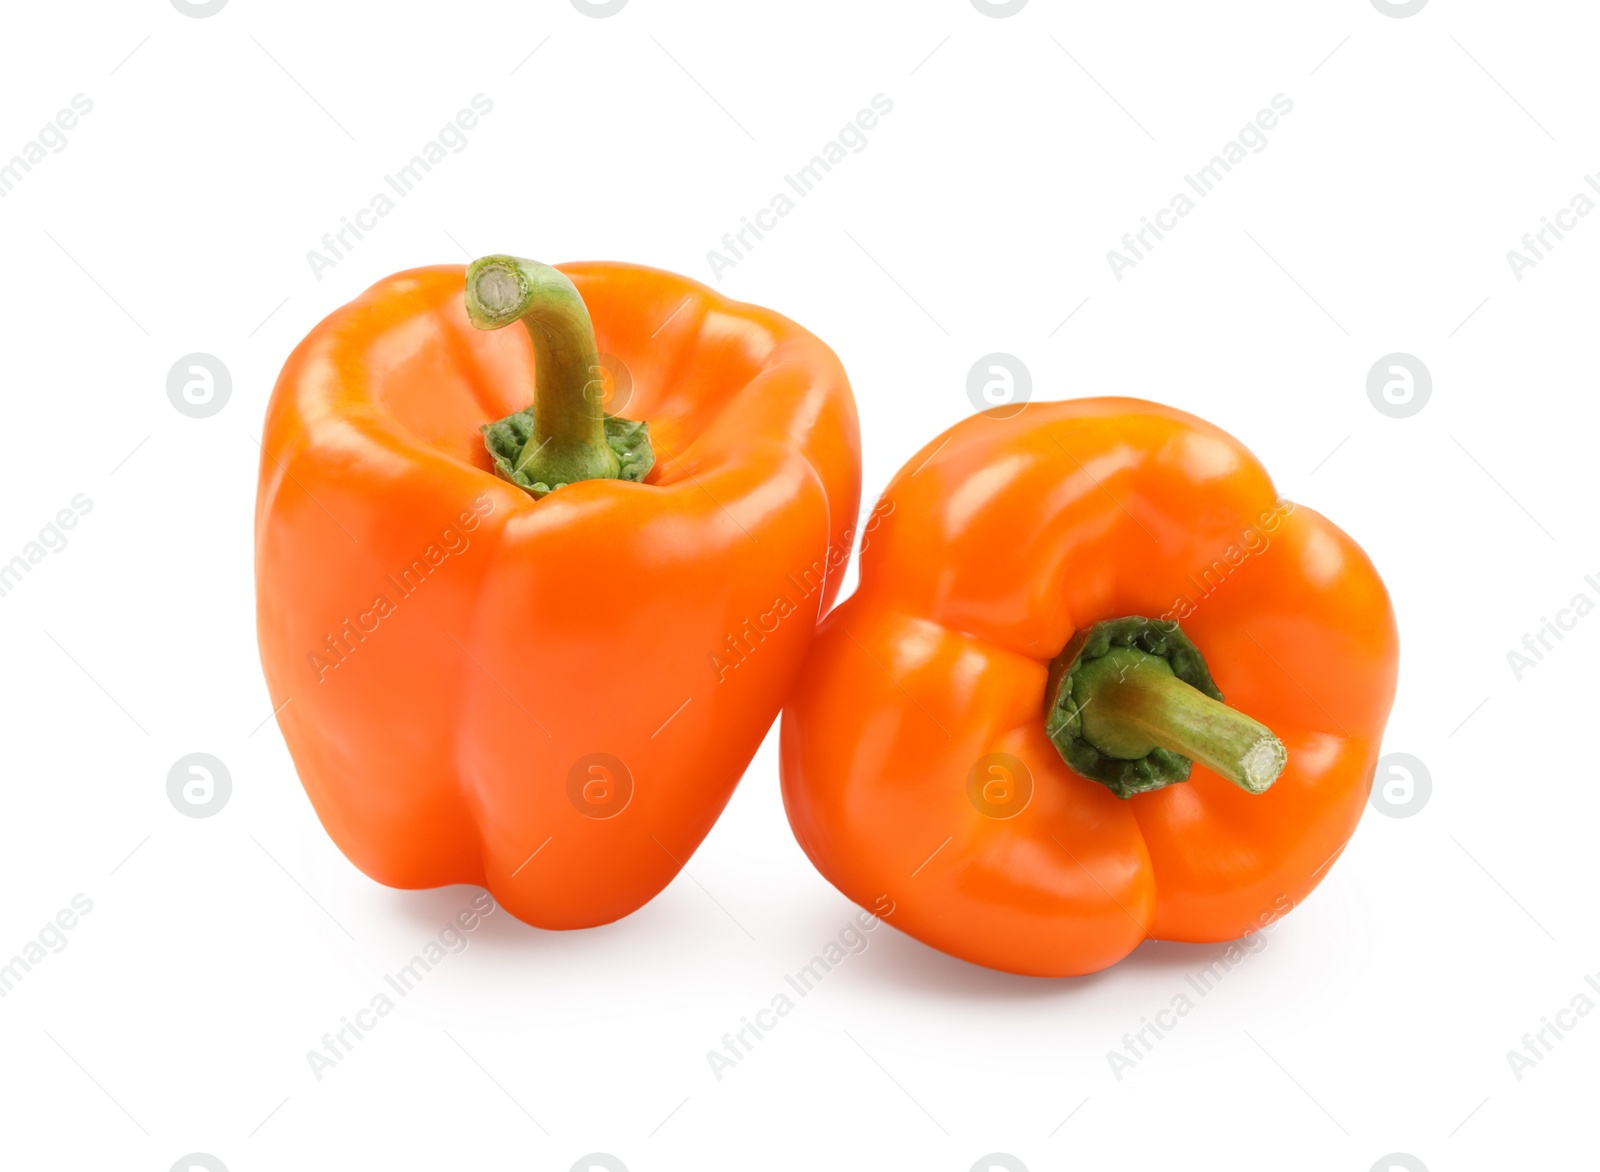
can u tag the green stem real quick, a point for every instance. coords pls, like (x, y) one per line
(1132, 704)
(566, 435)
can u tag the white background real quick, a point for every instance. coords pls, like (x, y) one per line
(177, 218)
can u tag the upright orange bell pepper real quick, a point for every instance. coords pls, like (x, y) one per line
(1015, 729)
(514, 639)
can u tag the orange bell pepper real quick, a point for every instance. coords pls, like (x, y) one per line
(995, 729)
(494, 656)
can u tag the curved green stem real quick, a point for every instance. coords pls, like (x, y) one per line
(1132, 704)
(565, 436)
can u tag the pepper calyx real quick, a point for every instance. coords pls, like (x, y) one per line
(505, 439)
(1131, 704)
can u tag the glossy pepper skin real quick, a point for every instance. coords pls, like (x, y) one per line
(478, 686)
(1000, 540)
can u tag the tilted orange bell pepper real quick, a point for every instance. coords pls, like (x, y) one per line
(491, 617)
(1011, 729)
